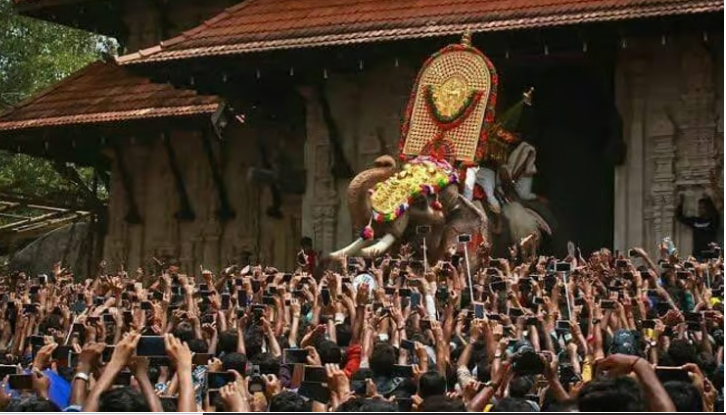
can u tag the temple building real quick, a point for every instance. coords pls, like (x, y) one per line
(210, 105)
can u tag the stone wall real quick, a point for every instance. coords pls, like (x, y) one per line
(670, 95)
(205, 241)
(366, 106)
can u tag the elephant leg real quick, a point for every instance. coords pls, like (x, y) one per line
(351, 249)
(379, 248)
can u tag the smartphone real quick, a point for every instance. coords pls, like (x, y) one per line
(34, 289)
(151, 346)
(404, 404)
(225, 301)
(408, 345)
(669, 374)
(563, 325)
(563, 267)
(442, 294)
(122, 378)
(498, 286)
(425, 324)
(693, 317)
(315, 391)
(632, 253)
(30, 308)
(495, 317)
(538, 301)
(621, 263)
(217, 380)
(315, 374)
(99, 301)
(255, 286)
(325, 295)
(20, 382)
(532, 321)
(404, 292)
(201, 359)
(37, 341)
(256, 384)
(6, 370)
(294, 356)
(107, 353)
(464, 238)
(269, 300)
(579, 301)
(607, 304)
(423, 229)
(415, 299)
(478, 310)
(62, 355)
(402, 371)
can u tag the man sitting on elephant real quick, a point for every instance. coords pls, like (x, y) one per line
(505, 150)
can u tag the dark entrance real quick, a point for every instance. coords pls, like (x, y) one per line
(572, 126)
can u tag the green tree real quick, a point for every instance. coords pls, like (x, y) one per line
(34, 54)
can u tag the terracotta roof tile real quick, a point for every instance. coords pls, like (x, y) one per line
(104, 92)
(262, 25)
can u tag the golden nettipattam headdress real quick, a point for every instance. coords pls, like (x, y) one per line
(451, 106)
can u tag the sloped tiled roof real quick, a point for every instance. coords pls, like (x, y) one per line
(263, 25)
(104, 92)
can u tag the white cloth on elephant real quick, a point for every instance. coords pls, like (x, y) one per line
(521, 167)
(484, 177)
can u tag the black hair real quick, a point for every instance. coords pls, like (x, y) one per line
(378, 405)
(513, 405)
(31, 404)
(343, 334)
(290, 402)
(382, 359)
(352, 405)
(306, 241)
(431, 383)
(227, 342)
(198, 345)
(184, 331)
(169, 405)
(685, 396)
(154, 374)
(330, 352)
(253, 340)
(440, 403)
(268, 363)
(234, 361)
(709, 206)
(123, 399)
(681, 352)
(621, 394)
(520, 386)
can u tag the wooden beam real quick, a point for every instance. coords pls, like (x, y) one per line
(225, 211)
(185, 212)
(132, 214)
(32, 220)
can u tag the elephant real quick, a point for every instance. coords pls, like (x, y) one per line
(447, 213)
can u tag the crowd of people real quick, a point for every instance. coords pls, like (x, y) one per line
(613, 332)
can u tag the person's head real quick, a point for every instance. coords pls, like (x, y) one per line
(378, 405)
(431, 383)
(706, 208)
(184, 331)
(513, 405)
(329, 352)
(483, 371)
(289, 402)
(198, 346)
(623, 342)
(621, 394)
(343, 334)
(154, 374)
(253, 340)
(227, 342)
(268, 363)
(234, 361)
(169, 405)
(520, 386)
(681, 352)
(685, 396)
(382, 359)
(440, 403)
(123, 399)
(306, 243)
(31, 404)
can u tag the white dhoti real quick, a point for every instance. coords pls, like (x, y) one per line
(484, 177)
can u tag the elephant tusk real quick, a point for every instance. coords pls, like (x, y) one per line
(351, 249)
(379, 247)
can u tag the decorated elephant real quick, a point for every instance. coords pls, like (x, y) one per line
(387, 206)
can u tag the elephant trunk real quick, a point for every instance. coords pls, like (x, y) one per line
(358, 199)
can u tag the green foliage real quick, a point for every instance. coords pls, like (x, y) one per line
(35, 54)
